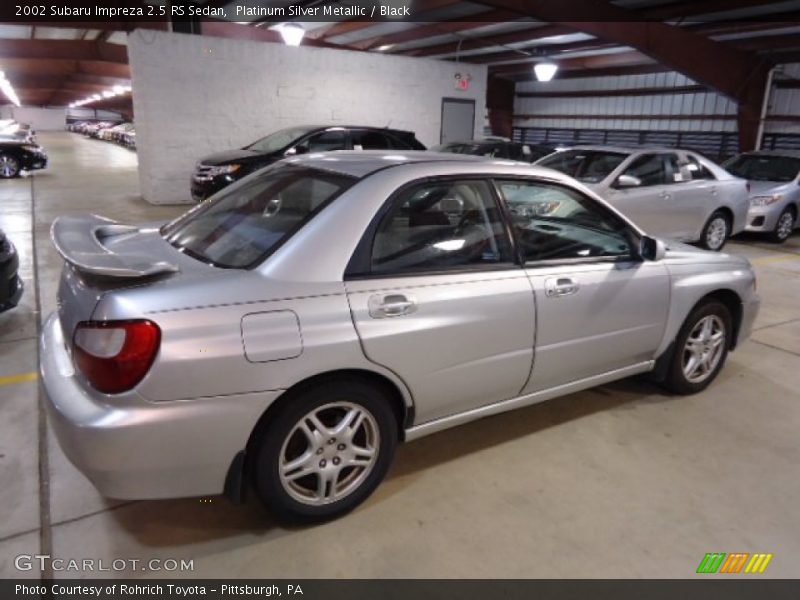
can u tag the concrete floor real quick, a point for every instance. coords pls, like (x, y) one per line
(619, 481)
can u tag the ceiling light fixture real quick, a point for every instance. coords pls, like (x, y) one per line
(292, 33)
(384, 48)
(545, 71)
(8, 89)
(117, 90)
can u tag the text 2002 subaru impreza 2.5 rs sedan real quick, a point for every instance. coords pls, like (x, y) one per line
(298, 324)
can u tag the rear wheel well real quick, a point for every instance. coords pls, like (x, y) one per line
(403, 413)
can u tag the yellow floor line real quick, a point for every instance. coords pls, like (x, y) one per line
(771, 259)
(18, 378)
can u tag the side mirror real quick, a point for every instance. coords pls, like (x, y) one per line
(299, 149)
(652, 248)
(628, 181)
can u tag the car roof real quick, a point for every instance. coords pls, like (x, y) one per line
(787, 153)
(339, 126)
(360, 163)
(628, 149)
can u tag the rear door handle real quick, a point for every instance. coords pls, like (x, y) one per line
(382, 306)
(556, 287)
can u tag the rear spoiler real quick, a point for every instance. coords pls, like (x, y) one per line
(79, 240)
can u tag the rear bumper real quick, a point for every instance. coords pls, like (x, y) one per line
(134, 449)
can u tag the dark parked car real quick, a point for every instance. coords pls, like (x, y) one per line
(16, 156)
(498, 148)
(10, 283)
(214, 172)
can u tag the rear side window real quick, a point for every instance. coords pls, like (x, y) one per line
(440, 225)
(650, 169)
(242, 225)
(697, 170)
(370, 140)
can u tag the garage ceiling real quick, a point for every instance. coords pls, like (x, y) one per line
(716, 42)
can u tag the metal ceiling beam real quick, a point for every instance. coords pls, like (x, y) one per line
(417, 8)
(63, 50)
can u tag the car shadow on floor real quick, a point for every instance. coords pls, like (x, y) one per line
(191, 521)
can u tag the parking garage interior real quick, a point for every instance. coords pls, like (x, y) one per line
(624, 480)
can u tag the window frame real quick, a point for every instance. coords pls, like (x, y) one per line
(359, 267)
(633, 238)
(635, 158)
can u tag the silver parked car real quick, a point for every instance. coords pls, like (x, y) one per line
(774, 178)
(676, 194)
(296, 326)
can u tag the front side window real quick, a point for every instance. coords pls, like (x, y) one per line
(245, 223)
(327, 141)
(650, 169)
(440, 225)
(557, 223)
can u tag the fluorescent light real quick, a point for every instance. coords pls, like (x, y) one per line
(118, 89)
(545, 71)
(384, 48)
(8, 90)
(292, 33)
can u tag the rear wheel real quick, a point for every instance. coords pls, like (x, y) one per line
(9, 166)
(700, 348)
(784, 226)
(716, 232)
(326, 451)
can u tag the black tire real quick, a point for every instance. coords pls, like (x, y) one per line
(281, 433)
(9, 166)
(709, 240)
(676, 379)
(781, 233)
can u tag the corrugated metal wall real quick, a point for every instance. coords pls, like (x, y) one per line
(706, 103)
(785, 102)
(617, 111)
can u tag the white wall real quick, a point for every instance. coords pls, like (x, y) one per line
(195, 95)
(41, 119)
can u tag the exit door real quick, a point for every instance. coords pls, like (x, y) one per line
(458, 120)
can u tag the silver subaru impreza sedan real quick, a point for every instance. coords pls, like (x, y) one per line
(292, 329)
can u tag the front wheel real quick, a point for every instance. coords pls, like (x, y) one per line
(784, 227)
(716, 232)
(700, 348)
(326, 451)
(9, 166)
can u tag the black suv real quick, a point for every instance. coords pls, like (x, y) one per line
(498, 148)
(219, 170)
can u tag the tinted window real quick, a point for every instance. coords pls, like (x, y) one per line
(327, 141)
(649, 169)
(591, 166)
(370, 140)
(244, 223)
(553, 222)
(278, 140)
(440, 225)
(763, 167)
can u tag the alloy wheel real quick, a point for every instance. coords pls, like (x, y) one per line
(717, 233)
(703, 349)
(785, 225)
(9, 166)
(329, 453)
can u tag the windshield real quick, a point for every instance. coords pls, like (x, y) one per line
(242, 225)
(278, 140)
(590, 166)
(757, 167)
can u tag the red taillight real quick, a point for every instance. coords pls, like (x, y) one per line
(115, 355)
